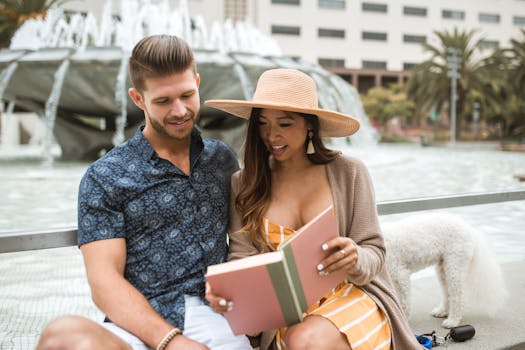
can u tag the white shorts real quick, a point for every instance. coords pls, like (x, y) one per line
(201, 324)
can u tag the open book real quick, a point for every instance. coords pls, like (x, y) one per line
(274, 289)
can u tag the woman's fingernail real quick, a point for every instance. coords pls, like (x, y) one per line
(324, 246)
(323, 273)
(320, 267)
(230, 306)
(222, 302)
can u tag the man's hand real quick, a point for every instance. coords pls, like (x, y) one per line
(181, 342)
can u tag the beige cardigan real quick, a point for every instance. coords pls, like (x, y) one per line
(354, 201)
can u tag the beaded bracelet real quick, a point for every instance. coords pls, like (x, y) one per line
(167, 338)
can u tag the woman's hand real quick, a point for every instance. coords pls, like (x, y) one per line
(217, 303)
(344, 256)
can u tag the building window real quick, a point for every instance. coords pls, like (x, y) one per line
(374, 36)
(408, 65)
(331, 62)
(489, 44)
(418, 39)
(414, 11)
(374, 7)
(287, 2)
(451, 14)
(489, 18)
(332, 4)
(374, 64)
(286, 30)
(330, 33)
(235, 10)
(520, 21)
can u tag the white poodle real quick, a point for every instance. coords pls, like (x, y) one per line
(464, 264)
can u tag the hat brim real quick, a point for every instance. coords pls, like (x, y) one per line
(331, 123)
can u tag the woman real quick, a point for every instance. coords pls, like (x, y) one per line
(289, 177)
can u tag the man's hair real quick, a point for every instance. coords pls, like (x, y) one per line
(159, 55)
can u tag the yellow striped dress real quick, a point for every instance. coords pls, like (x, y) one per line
(350, 309)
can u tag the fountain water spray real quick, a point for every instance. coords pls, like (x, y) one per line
(121, 97)
(230, 58)
(5, 76)
(51, 109)
(137, 20)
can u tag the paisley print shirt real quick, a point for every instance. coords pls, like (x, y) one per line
(174, 224)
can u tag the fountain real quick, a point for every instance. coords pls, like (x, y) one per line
(72, 72)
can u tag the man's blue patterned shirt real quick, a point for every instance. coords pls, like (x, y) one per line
(174, 224)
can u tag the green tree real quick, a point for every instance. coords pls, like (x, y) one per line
(430, 84)
(383, 104)
(517, 64)
(505, 75)
(515, 110)
(13, 13)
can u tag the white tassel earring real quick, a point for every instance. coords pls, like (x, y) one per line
(271, 162)
(310, 149)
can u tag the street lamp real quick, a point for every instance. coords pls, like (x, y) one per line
(454, 62)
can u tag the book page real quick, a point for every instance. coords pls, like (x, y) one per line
(250, 261)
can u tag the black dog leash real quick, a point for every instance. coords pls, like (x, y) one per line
(457, 334)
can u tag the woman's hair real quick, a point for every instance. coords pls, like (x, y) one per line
(256, 180)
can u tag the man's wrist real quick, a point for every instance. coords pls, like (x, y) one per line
(167, 338)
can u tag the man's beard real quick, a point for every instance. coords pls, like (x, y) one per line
(161, 129)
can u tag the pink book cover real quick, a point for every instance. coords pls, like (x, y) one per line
(273, 290)
(305, 246)
(248, 284)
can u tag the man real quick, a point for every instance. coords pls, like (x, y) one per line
(152, 215)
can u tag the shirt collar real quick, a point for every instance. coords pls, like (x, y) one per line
(143, 148)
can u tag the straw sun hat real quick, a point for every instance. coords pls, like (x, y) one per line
(294, 91)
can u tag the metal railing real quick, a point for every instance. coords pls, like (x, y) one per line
(17, 241)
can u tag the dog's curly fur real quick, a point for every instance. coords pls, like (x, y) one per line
(463, 262)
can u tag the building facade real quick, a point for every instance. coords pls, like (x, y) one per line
(367, 42)
(376, 42)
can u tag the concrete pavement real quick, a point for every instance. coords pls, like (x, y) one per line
(506, 330)
(41, 285)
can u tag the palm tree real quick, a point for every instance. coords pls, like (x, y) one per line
(517, 64)
(505, 76)
(516, 78)
(13, 13)
(430, 85)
